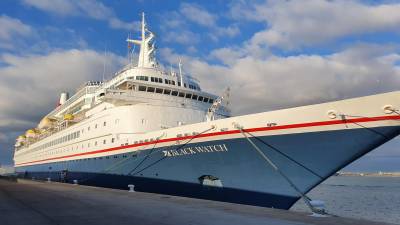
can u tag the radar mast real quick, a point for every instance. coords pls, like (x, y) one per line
(147, 46)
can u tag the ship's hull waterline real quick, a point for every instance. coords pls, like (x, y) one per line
(233, 170)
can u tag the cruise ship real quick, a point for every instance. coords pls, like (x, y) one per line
(158, 131)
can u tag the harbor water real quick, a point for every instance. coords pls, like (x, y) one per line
(371, 198)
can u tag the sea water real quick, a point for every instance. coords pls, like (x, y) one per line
(361, 197)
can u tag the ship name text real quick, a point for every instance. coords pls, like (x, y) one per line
(195, 150)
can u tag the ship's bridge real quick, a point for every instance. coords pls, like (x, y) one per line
(145, 81)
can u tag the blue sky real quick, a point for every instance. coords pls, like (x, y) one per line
(280, 53)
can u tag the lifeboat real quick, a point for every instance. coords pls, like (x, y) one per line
(45, 123)
(31, 133)
(68, 116)
(21, 138)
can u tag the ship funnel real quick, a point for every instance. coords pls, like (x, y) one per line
(63, 98)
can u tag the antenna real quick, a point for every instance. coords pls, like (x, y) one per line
(104, 63)
(129, 48)
(143, 38)
(180, 71)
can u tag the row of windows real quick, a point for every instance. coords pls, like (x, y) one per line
(156, 79)
(95, 126)
(176, 93)
(145, 78)
(63, 139)
(60, 140)
(103, 157)
(170, 82)
(76, 147)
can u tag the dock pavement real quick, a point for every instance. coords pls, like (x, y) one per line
(26, 202)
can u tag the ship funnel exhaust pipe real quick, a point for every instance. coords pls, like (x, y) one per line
(63, 98)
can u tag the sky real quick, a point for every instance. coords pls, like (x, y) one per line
(272, 54)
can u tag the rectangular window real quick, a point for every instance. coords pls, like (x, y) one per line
(104, 123)
(104, 142)
(159, 90)
(112, 140)
(181, 94)
(211, 100)
(142, 78)
(200, 98)
(142, 88)
(205, 100)
(167, 92)
(188, 96)
(194, 97)
(150, 89)
(174, 93)
(152, 79)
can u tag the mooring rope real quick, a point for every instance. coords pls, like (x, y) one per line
(183, 145)
(306, 199)
(285, 155)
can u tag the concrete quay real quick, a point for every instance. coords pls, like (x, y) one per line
(33, 202)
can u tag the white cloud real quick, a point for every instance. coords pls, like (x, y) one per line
(279, 82)
(294, 24)
(177, 29)
(184, 37)
(30, 85)
(202, 17)
(60, 7)
(227, 56)
(197, 14)
(89, 8)
(12, 29)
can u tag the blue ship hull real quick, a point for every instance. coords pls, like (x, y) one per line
(236, 172)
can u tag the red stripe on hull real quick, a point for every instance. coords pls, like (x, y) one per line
(282, 127)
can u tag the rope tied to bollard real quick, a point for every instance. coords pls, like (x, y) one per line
(314, 206)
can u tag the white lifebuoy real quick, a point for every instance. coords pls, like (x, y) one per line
(332, 114)
(388, 109)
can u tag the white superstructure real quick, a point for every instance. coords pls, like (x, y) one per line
(140, 98)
